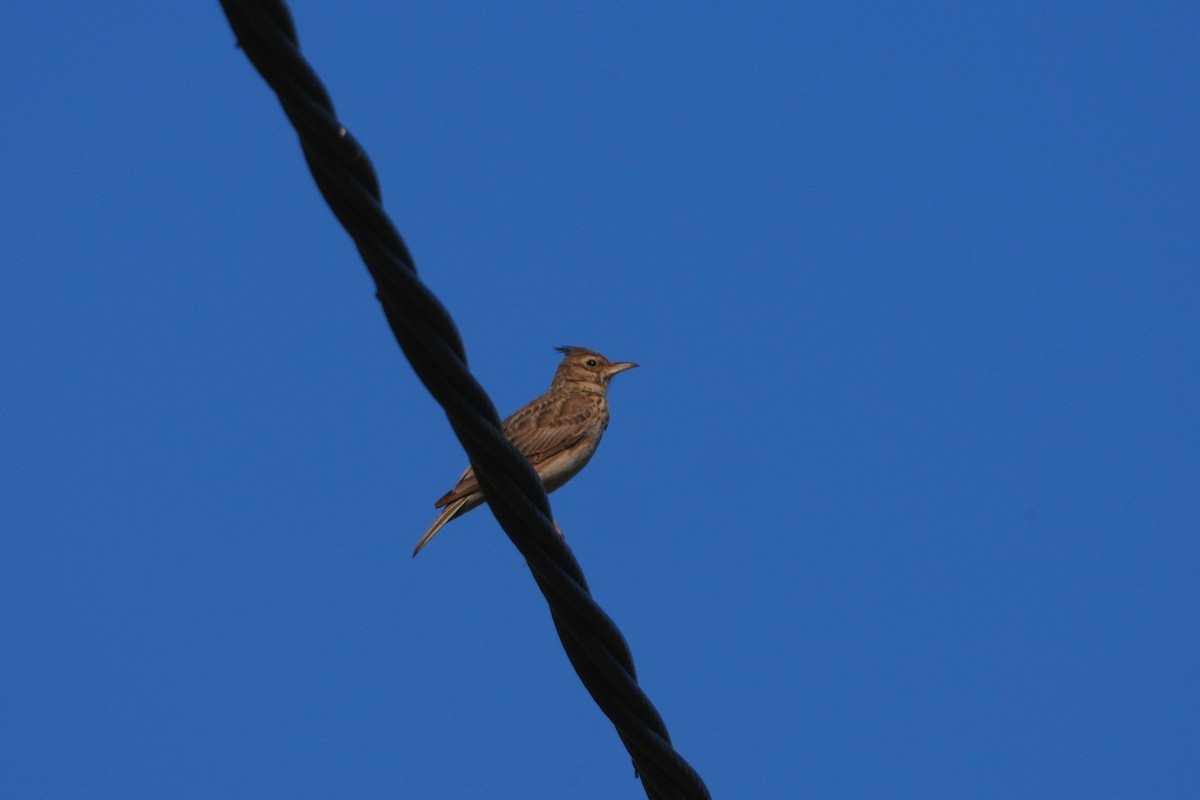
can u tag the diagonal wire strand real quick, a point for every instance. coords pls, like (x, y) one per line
(431, 342)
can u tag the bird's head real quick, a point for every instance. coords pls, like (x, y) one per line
(580, 365)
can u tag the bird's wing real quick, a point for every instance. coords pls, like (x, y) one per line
(540, 430)
(466, 485)
(552, 424)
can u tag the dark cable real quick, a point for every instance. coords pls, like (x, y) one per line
(430, 340)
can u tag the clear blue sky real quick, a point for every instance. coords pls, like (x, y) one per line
(904, 501)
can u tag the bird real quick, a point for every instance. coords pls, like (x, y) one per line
(558, 432)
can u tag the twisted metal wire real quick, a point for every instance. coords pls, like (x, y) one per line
(431, 342)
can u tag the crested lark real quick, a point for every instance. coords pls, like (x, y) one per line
(558, 432)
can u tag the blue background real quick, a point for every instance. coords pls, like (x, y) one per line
(903, 502)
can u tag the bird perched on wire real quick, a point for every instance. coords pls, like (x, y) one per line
(558, 432)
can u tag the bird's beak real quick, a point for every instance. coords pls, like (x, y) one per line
(613, 369)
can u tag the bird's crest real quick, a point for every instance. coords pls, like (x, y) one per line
(567, 350)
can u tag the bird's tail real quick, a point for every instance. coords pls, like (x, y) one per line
(448, 513)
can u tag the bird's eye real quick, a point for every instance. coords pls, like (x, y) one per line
(591, 362)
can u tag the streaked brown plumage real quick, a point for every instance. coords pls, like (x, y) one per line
(558, 432)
